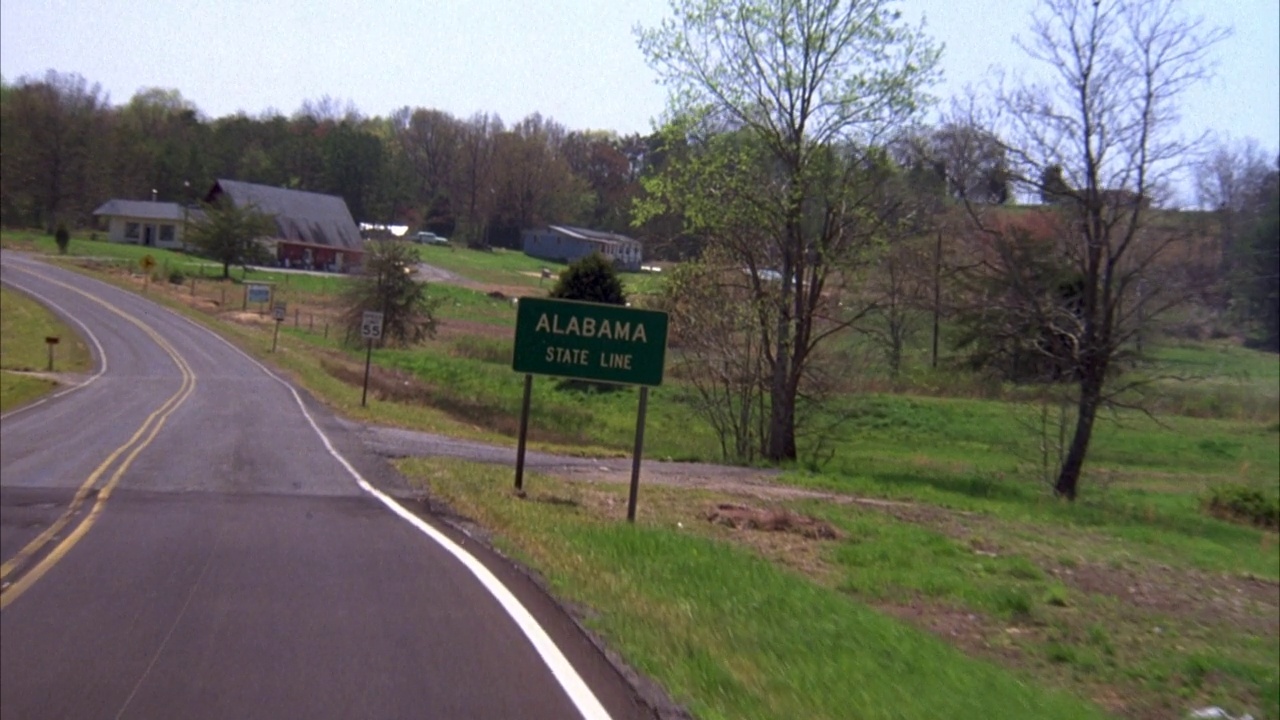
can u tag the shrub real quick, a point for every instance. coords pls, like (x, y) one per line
(62, 238)
(593, 279)
(1243, 504)
(176, 277)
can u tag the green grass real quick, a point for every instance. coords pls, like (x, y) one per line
(501, 266)
(24, 325)
(18, 390)
(727, 632)
(559, 410)
(82, 246)
(497, 267)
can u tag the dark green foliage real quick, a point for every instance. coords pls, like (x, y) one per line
(1244, 504)
(177, 277)
(387, 285)
(1053, 188)
(63, 238)
(229, 234)
(592, 279)
(1259, 264)
(1024, 319)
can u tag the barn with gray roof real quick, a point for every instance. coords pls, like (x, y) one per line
(313, 231)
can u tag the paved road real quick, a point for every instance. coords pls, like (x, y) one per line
(186, 536)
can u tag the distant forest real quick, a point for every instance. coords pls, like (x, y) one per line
(67, 148)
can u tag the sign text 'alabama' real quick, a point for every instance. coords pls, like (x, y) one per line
(590, 341)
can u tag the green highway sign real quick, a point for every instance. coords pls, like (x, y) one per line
(590, 341)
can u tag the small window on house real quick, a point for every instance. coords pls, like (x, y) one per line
(166, 233)
(132, 230)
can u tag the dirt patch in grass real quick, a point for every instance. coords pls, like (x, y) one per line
(453, 329)
(974, 633)
(249, 318)
(1202, 597)
(742, 517)
(1247, 603)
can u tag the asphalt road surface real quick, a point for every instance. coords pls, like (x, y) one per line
(186, 536)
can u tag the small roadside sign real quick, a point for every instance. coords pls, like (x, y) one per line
(51, 339)
(371, 325)
(257, 293)
(148, 262)
(278, 311)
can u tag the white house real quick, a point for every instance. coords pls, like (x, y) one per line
(142, 222)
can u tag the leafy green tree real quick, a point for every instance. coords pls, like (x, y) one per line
(157, 140)
(354, 161)
(782, 106)
(230, 234)
(386, 284)
(592, 279)
(53, 149)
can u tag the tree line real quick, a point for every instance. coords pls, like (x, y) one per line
(826, 206)
(67, 148)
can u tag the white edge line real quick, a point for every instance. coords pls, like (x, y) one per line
(572, 683)
(102, 355)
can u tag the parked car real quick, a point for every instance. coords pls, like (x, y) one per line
(429, 238)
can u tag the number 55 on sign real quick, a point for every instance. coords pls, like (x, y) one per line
(371, 325)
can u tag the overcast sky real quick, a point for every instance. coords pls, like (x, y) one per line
(573, 60)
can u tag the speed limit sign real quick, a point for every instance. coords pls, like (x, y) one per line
(371, 325)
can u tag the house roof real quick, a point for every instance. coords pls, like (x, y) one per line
(303, 217)
(141, 209)
(585, 234)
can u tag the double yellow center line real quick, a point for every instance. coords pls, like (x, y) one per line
(130, 449)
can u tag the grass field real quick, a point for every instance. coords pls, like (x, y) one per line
(956, 586)
(498, 266)
(24, 325)
(727, 631)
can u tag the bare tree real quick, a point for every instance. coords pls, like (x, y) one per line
(1234, 181)
(900, 288)
(1108, 120)
(475, 172)
(720, 349)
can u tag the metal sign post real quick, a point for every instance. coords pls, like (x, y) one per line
(589, 341)
(51, 340)
(524, 432)
(635, 457)
(147, 264)
(278, 312)
(370, 330)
